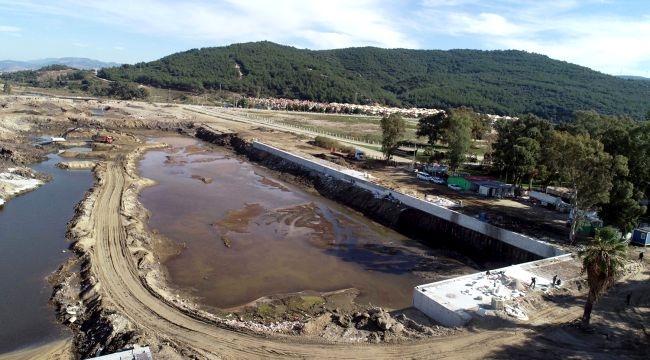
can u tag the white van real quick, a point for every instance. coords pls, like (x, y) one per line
(424, 176)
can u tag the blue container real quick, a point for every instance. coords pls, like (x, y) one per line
(641, 236)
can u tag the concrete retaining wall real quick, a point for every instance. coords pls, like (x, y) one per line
(438, 312)
(520, 241)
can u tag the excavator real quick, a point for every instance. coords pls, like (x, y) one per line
(107, 139)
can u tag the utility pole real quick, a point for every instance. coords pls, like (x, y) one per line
(414, 153)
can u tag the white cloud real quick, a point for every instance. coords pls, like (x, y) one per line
(592, 33)
(483, 24)
(609, 43)
(9, 29)
(313, 24)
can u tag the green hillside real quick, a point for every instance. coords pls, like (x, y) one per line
(500, 82)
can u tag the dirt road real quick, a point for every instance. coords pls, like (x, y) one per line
(120, 285)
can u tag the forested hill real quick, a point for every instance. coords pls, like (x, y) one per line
(499, 82)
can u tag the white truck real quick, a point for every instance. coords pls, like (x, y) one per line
(544, 198)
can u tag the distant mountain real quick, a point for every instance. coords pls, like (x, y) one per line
(633, 77)
(77, 63)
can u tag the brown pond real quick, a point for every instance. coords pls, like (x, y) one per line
(247, 234)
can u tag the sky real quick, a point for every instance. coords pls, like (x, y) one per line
(609, 36)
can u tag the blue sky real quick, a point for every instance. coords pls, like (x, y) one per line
(608, 36)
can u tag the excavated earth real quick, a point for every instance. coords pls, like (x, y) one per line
(115, 294)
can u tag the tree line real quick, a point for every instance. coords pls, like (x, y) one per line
(64, 77)
(604, 160)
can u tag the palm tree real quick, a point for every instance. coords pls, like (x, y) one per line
(602, 260)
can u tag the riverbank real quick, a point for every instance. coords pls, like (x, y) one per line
(18, 180)
(123, 297)
(33, 227)
(55, 350)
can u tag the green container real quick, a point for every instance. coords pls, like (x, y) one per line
(586, 230)
(460, 181)
(589, 229)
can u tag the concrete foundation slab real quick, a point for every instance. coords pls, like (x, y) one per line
(454, 302)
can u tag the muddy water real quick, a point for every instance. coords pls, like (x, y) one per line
(32, 241)
(249, 235)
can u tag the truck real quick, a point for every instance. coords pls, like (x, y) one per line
(46, 140)
(107, 139)
(544, 198)
(355, 155)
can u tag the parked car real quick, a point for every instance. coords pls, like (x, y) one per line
(437, 180)
(424, 176)
(454, 187)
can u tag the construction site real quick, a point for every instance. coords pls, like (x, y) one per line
(226, 233)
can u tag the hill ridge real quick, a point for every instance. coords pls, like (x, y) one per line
(503, 82)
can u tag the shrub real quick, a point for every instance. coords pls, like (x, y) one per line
(326, 143)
